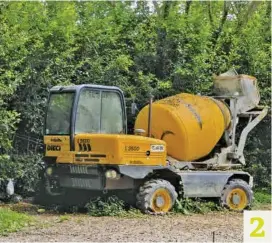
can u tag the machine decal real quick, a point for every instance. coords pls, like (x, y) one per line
(135, 162)
(132, 148)
(157, 148)
(53, 148)
(84, 141)
(56, 140)
(91, 160)
(84, 145)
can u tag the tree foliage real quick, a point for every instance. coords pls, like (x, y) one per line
(142, 47)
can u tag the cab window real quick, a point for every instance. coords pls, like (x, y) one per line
(99, 112)
(59, 114)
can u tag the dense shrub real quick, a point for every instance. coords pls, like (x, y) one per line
(187, 206)
(25, 170)
(258, 155)
(111, 206)
(145, 47)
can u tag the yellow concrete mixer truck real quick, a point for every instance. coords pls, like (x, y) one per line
(185, 145)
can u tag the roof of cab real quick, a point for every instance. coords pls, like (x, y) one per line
(78, 87)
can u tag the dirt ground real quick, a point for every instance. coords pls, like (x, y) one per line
(227, 227)
(197, 228)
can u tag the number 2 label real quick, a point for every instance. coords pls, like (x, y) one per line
(257, 226)
(257, 232)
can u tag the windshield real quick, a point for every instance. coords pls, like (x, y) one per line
(59, 113)
(99, 112)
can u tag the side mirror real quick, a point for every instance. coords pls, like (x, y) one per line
(134, 108)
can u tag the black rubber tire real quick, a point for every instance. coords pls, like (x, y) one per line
(232, 184)
(146, 191)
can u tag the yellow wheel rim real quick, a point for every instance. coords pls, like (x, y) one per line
(161, 201)
(237, 199)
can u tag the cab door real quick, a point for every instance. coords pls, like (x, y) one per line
(100, 111)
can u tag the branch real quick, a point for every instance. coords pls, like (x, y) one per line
(166, 8)
(157, 7)
(210, 13)
(112, 3)
(217, 32)
(187, 6)
(250, 11)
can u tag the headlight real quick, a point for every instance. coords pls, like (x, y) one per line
(49, 171)
(112, 174)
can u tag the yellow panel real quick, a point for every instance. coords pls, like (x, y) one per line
(119, 149)
(191, 125)
(107, 149)
(57, 145)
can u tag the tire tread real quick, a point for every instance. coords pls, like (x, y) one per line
(146, 189)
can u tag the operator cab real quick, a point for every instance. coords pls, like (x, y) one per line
(82, 109)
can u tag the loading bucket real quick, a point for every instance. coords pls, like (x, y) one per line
(244, 87)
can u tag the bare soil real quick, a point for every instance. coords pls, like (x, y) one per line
(196, 228)
(227, 227)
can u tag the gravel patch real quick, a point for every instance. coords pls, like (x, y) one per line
(228, 227)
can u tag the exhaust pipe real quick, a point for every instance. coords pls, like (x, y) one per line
(150, 115)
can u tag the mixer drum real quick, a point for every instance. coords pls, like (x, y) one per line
(191, 125)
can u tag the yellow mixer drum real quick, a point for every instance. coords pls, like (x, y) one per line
(191, 125)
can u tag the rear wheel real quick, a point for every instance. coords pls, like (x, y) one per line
(237, 195)
(156, 196)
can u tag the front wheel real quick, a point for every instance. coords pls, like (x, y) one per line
(236, 195)
(156, 196)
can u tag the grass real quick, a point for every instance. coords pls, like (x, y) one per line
(11, 221)
(188, 206)
(116, 207)
(63, 218)
(17, 216)
(22, 207)
(262, 197)
(262, 200)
